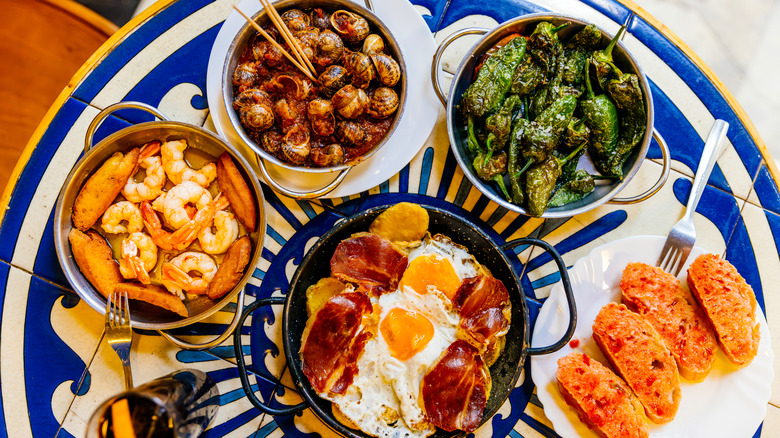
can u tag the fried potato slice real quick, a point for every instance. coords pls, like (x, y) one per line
(237, 192)
(403, 222)
(100, 190)
(320, 292)
(232, 268)
(95, 260)
(154, 295)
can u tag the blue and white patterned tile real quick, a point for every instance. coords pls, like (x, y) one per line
(26, 234)
(755, 249)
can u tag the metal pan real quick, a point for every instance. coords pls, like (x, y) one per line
(316, 263)
(464, 76)
(234, 54)
(143, 315)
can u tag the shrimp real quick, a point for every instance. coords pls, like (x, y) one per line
(176, 200)
(179, 171)
(226, 233)
(139, 256)
(122, 217)
(187, 233)
(176, 273)
(152, 185)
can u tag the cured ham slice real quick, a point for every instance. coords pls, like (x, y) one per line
(333, 341)
(370, 261)
(484, 307)
(456, 388)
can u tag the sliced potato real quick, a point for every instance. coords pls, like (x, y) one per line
(155, 295)
(320, 292)
(231, 269)
(403, 222)
(237, 192)
(100, 190)
(95, 260)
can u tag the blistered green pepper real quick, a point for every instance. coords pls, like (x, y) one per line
(544, 44)
(528, 75)
(576, 133)
(540, 180)
(499, 124)
(487, 92)
(576, 53)
(577, 187)
(492, 169)
(602, 60)
(627, 95)
(518, 132)
(601, 117)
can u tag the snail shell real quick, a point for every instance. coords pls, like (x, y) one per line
(321, 117)
(308, 39)
(295, 145)
(330, 155)
(373, 44)
(350, 102)
(329, 48)
(387, 69)
(258, 116)
(351, 132)
(362, 69)
(294, 84)
(250, 97)
(245, 75)
(384, 102)
(351, 27)
(271, 141)
(332, 79)
(320, 18)
(296, 20)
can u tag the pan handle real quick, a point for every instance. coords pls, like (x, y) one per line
(242, 372)
(566, 287)
(93, 126)
(661, 180)
(184, 345)
(440, 51)
(302, 195)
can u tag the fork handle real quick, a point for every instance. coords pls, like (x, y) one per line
(128, 376)
(709, 155)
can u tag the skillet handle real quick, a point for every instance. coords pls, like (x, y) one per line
(661, 180)
(184, 345)
(242, 371)
(566, 287)
(440, 51)
(302, 195)
(93, 126)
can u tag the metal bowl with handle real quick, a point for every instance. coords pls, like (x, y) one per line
(233, 58)
(447, 219)
(144, 315)
(464, 76)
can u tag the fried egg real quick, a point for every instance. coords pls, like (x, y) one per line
(417, 323)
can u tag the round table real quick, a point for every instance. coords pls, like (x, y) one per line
(54, 366)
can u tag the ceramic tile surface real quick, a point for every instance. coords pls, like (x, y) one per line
(162, 61)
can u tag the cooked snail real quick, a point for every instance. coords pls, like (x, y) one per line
(383, 103)
(350, 102)
(330, 155)
(352, 27)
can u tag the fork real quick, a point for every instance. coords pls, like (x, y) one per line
(119, 333)
(683, 234)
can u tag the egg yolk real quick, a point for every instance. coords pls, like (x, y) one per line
(431, 269)
(405, 332)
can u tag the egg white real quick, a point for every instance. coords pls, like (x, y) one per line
(383, 381)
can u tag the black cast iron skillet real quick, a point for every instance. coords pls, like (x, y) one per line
(316, 265)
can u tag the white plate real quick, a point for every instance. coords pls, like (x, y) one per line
(729, 403)
(422, 106)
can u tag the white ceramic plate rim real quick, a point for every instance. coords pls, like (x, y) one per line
(420, 114)
(730, 402)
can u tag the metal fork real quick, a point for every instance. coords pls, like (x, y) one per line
(683, 234)
(119, 333)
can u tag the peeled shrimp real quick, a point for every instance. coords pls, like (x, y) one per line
(226, 228)
(187, 233)
(139, 256)
(179, 171)
(122, 217)
(178, 198)
(152, 185)
(176, 273)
